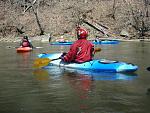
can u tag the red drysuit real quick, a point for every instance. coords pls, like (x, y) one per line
(81, 51)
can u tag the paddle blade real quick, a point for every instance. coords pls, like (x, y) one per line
(41, 62)
(97, 49)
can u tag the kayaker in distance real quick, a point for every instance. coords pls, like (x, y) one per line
(97, 39)
(81, 50)
(61, 39)
(25, 42)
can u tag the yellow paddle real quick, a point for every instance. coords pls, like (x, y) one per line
(97, 50)
(41, 62)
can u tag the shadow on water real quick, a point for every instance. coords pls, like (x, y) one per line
(148, 90)
(148, 68)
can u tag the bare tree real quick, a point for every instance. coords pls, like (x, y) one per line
(36, 15)
(113, 11)
(146, 3)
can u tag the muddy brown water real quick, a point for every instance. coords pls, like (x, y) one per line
(24, 89)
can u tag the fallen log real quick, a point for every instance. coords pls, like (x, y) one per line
(93, 26)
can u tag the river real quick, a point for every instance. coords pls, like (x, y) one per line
(24, 89)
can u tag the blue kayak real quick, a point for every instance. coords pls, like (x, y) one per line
(101, 65)
(94, 42)
(106, 42)
(61, 43)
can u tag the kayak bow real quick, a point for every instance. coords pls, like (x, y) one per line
(23, 49)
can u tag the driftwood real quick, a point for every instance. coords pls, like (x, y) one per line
(97, 26)
(102, 25)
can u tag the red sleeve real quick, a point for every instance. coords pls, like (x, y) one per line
(70, 56)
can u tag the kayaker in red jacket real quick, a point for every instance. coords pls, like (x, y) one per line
(81, 50)
(25, 42)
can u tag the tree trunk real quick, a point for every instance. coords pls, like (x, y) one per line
(38, 22)
(36, 16)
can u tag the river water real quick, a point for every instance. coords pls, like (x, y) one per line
(24, 89)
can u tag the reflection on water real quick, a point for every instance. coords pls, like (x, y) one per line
(55, 70)
(41, 74)
(81, 82)
(82, 86)
(24, 60)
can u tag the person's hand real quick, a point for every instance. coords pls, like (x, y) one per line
(63, 54)
(97, 49)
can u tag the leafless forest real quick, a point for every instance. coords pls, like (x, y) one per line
(38, 17)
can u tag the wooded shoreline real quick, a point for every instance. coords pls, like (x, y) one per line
(45, 38)
(57, 17)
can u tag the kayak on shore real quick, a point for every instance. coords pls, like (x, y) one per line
(23, 49)
(100, 65)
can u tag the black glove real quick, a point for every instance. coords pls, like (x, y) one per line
(63, 54)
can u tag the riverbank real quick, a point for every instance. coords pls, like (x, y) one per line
(42, 38)
(46, 38)
(59, 17)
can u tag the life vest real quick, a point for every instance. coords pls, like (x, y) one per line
(25, 44)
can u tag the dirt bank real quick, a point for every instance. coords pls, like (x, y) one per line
(48, 38)
(60, 16)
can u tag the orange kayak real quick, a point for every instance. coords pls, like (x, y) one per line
(23, 49)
